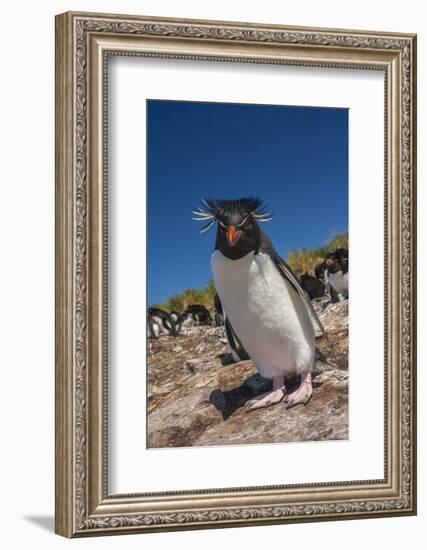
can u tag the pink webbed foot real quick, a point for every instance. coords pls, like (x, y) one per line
(302, 394)
(269, 398)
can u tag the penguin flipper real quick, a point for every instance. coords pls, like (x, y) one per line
(290, 276)
(238, 351)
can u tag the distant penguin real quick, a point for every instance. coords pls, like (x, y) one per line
(185, 320)
(337, 270)
(174, 316)
(320, 270)
(200, 314)
(341, 255)
(153, 328)
(313, 286)
(262, 299)
(163, 319)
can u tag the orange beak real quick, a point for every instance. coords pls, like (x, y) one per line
(329, 261)
(232, 235)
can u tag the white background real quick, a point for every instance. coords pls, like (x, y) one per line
(132, 80)
(27, 274)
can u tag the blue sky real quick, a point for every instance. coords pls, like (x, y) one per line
(294, 158)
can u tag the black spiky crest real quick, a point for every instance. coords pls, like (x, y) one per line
(217, 210)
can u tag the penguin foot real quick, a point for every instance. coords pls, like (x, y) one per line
(265, 400)
(302, 394)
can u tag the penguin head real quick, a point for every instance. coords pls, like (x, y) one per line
(337, 261)
(332, 265)
(319, 270)
(238, 232)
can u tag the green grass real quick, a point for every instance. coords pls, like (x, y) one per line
(301, 261)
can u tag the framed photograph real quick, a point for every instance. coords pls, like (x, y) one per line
(216, 364)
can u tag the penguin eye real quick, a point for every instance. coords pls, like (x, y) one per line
(245, 224)
(222, 225)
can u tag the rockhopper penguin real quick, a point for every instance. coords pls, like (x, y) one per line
(337, 271)
(264, 304)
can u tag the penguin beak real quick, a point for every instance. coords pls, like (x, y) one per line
(329, 261)
(232, 235)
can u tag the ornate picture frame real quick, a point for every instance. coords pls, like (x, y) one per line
(83, 43)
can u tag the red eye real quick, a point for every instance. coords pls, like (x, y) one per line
(248, 225)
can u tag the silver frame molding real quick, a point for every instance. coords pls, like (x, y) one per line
(83, 43)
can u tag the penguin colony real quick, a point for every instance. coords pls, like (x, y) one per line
(160, 322)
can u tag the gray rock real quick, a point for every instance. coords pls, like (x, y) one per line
(181, 381)
(199, 365)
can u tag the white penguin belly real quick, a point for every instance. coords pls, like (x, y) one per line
(339, 281)
(266, 312)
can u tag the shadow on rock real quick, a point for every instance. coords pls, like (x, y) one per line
(228, 401)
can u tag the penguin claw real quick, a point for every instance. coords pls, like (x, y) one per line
(300, 396)
(264, 400)
(292, 403)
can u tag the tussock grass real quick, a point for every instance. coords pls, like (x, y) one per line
(301, 261)
(180, 302)
(305, 260)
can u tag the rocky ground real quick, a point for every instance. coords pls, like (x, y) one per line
(184, 370)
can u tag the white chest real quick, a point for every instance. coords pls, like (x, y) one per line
(339, 281)
(266, 312)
